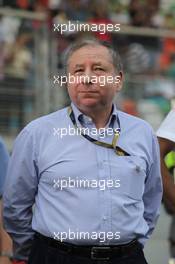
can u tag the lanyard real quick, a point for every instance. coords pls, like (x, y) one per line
(117, 149)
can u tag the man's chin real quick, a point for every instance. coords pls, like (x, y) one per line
(89, 102)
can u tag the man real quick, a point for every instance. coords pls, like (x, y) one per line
(97, 192)
(5, 242)
(166, 137)
(4, 158)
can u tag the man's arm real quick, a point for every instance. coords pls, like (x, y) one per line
(4, 159)
(153, 190)
(19, 194)
(6, 244)
(168, 185)
(5, 241)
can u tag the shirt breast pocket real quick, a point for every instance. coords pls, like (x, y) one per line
(131, 171)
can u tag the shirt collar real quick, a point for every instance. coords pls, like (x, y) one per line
(83, 119)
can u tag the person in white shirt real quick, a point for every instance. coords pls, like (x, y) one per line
(166, 137)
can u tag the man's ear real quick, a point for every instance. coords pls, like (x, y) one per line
(119, 81)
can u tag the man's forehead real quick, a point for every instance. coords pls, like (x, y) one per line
(96, 62)
(96, 52)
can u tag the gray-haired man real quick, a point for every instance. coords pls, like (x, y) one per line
(97, 194)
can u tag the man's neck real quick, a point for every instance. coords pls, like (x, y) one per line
(100, 117)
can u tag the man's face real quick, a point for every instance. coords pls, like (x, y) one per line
(95, 63)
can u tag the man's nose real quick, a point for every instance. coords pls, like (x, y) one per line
(87, 77)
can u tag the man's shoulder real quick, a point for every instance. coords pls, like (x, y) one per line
(167, 127)
(130, 120)
(43, 123)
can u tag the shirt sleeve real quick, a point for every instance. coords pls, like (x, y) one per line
(4, 158)
(167, 128)
(19, 194)
(153, 190)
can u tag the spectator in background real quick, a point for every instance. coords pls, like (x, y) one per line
(170, 163)
(166, 136)
(100, 16)
(141, 15)
(5, 242)
(138, 13)
(76, 10)
(167, 55)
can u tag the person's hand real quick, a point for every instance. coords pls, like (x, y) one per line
(5, 260)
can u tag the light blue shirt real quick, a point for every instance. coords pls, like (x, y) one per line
(4, 157)
(41, 157)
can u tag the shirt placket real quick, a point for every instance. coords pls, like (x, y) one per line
(104, 195)
(103, 168)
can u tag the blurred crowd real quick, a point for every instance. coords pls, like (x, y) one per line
(149, 57)
(153, 53)
(150, 13)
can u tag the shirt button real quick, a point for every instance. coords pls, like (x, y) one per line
(137, 168)
(89, 121)
(104, 218)
(101, 134)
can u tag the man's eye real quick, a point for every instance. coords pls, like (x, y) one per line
(78, 70)
(99, 69)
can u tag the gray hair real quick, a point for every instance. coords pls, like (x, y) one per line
(116, 60)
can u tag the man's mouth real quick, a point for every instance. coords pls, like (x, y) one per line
(88, 92)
